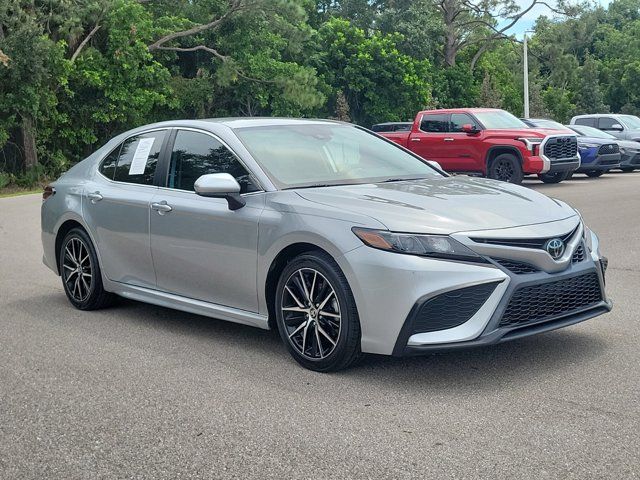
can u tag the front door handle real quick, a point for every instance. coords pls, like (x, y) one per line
(161, 207)
(415, 139)
(95, 197)
(448, 139)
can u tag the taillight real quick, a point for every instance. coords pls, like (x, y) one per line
(48, 191)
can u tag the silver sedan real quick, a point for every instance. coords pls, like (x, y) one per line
(343, 241)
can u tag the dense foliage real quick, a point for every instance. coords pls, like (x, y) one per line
(75, 72)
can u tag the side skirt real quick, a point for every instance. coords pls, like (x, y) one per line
(189, 305)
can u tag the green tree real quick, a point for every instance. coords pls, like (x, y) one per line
(378, 81)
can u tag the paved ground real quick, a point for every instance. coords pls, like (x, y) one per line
(144, 392)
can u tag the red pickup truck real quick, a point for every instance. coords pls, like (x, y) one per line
(486, 141)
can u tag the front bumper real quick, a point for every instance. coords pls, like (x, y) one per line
(602, 162)
(630, 159)
(390, 289)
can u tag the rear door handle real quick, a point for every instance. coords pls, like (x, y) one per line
(448, 139)
(161, 207)
(95, 197)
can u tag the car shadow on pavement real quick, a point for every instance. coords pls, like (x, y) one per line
(516, 363)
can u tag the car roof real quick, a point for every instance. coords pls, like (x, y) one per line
(464, 110)
(597, 115)
(241, 122)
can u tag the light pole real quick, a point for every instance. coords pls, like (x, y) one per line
(526, 75)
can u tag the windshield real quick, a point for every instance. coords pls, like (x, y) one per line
(306, 155)
(631, 121)
(499, 119)
(590, 132)
(544, 123)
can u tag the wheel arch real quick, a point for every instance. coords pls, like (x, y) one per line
(65, 227)
(280, 261)
(496, 150)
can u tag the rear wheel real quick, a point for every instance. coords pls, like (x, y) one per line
(80, 272)
(627, 169)
(316, 313)
(595, 173)
(553, 177)
(507, 168)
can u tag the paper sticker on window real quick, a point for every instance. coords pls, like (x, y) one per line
(139, 162)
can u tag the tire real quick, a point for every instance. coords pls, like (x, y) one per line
(595, 173)
(627, 169)
(324, 339)
(555, 177)
(506, 167)
(80, 272)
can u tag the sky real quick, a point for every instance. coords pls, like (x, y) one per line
(529, 20)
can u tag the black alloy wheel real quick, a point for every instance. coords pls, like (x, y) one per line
(316, 313)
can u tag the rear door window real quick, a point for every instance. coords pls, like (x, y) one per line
(138, 158)
(435, 123)
(589, 122)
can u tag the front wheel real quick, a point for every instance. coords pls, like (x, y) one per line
(316, 313)
(507, 168)
(595, 173)
(80, 272)
(553, 177)
(627, 169)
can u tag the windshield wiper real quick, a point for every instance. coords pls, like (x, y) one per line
(401, 179)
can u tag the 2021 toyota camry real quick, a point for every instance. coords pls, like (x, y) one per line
(343, 241)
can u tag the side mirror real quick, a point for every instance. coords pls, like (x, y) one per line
(220, 185)
(435, 165)
(470, 129)
(616, 127)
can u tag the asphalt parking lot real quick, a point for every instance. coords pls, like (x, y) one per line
(138, 391)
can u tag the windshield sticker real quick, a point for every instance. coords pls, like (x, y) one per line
(139, 162)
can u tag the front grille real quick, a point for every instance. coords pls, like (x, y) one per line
(609, 148)
(524, 242)
(451, 309)
(561, 147)
(519, 268)
(551, 300)
(578, 255)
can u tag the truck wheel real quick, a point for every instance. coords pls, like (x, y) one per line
(595, 173)
(507, 168)
(555, 177)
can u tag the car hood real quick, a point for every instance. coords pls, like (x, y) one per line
(443, 205)
(630, 144)
(596, 140)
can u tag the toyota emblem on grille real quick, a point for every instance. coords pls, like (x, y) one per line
(555, 247)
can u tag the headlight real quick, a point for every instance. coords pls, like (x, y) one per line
(586, 236)
(438, 246)
(623, 150)
(531, 143)
(588, 145)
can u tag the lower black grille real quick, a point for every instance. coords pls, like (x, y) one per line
(553, 299)
(451, 309)
(519, 268)
(578, 255)
(561, 147)
(608, 148)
